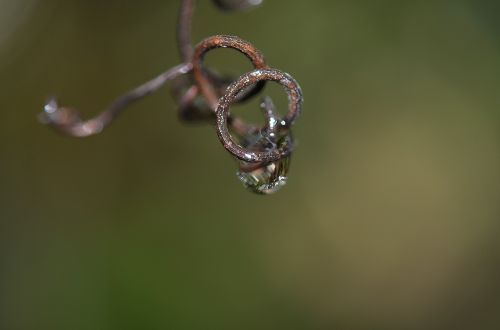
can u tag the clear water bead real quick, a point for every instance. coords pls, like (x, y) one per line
(264, 178)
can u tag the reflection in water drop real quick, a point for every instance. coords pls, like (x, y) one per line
(264, 178)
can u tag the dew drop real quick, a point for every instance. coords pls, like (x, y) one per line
(264, 178)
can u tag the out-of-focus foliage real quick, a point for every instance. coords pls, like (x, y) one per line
(390, 219)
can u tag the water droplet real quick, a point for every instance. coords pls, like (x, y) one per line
(264, 178)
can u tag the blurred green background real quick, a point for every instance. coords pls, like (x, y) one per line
(390, 219)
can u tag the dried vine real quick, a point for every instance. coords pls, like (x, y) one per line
(263, 153)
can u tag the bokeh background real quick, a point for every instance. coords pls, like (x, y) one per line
(390, 219)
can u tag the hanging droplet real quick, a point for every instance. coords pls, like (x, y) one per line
(264, 178)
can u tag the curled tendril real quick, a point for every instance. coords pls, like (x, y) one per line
(204, 95)
(294, 108)
(185, 18)
(224, 41)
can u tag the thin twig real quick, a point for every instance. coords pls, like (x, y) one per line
(67, 120)
(205, 95)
